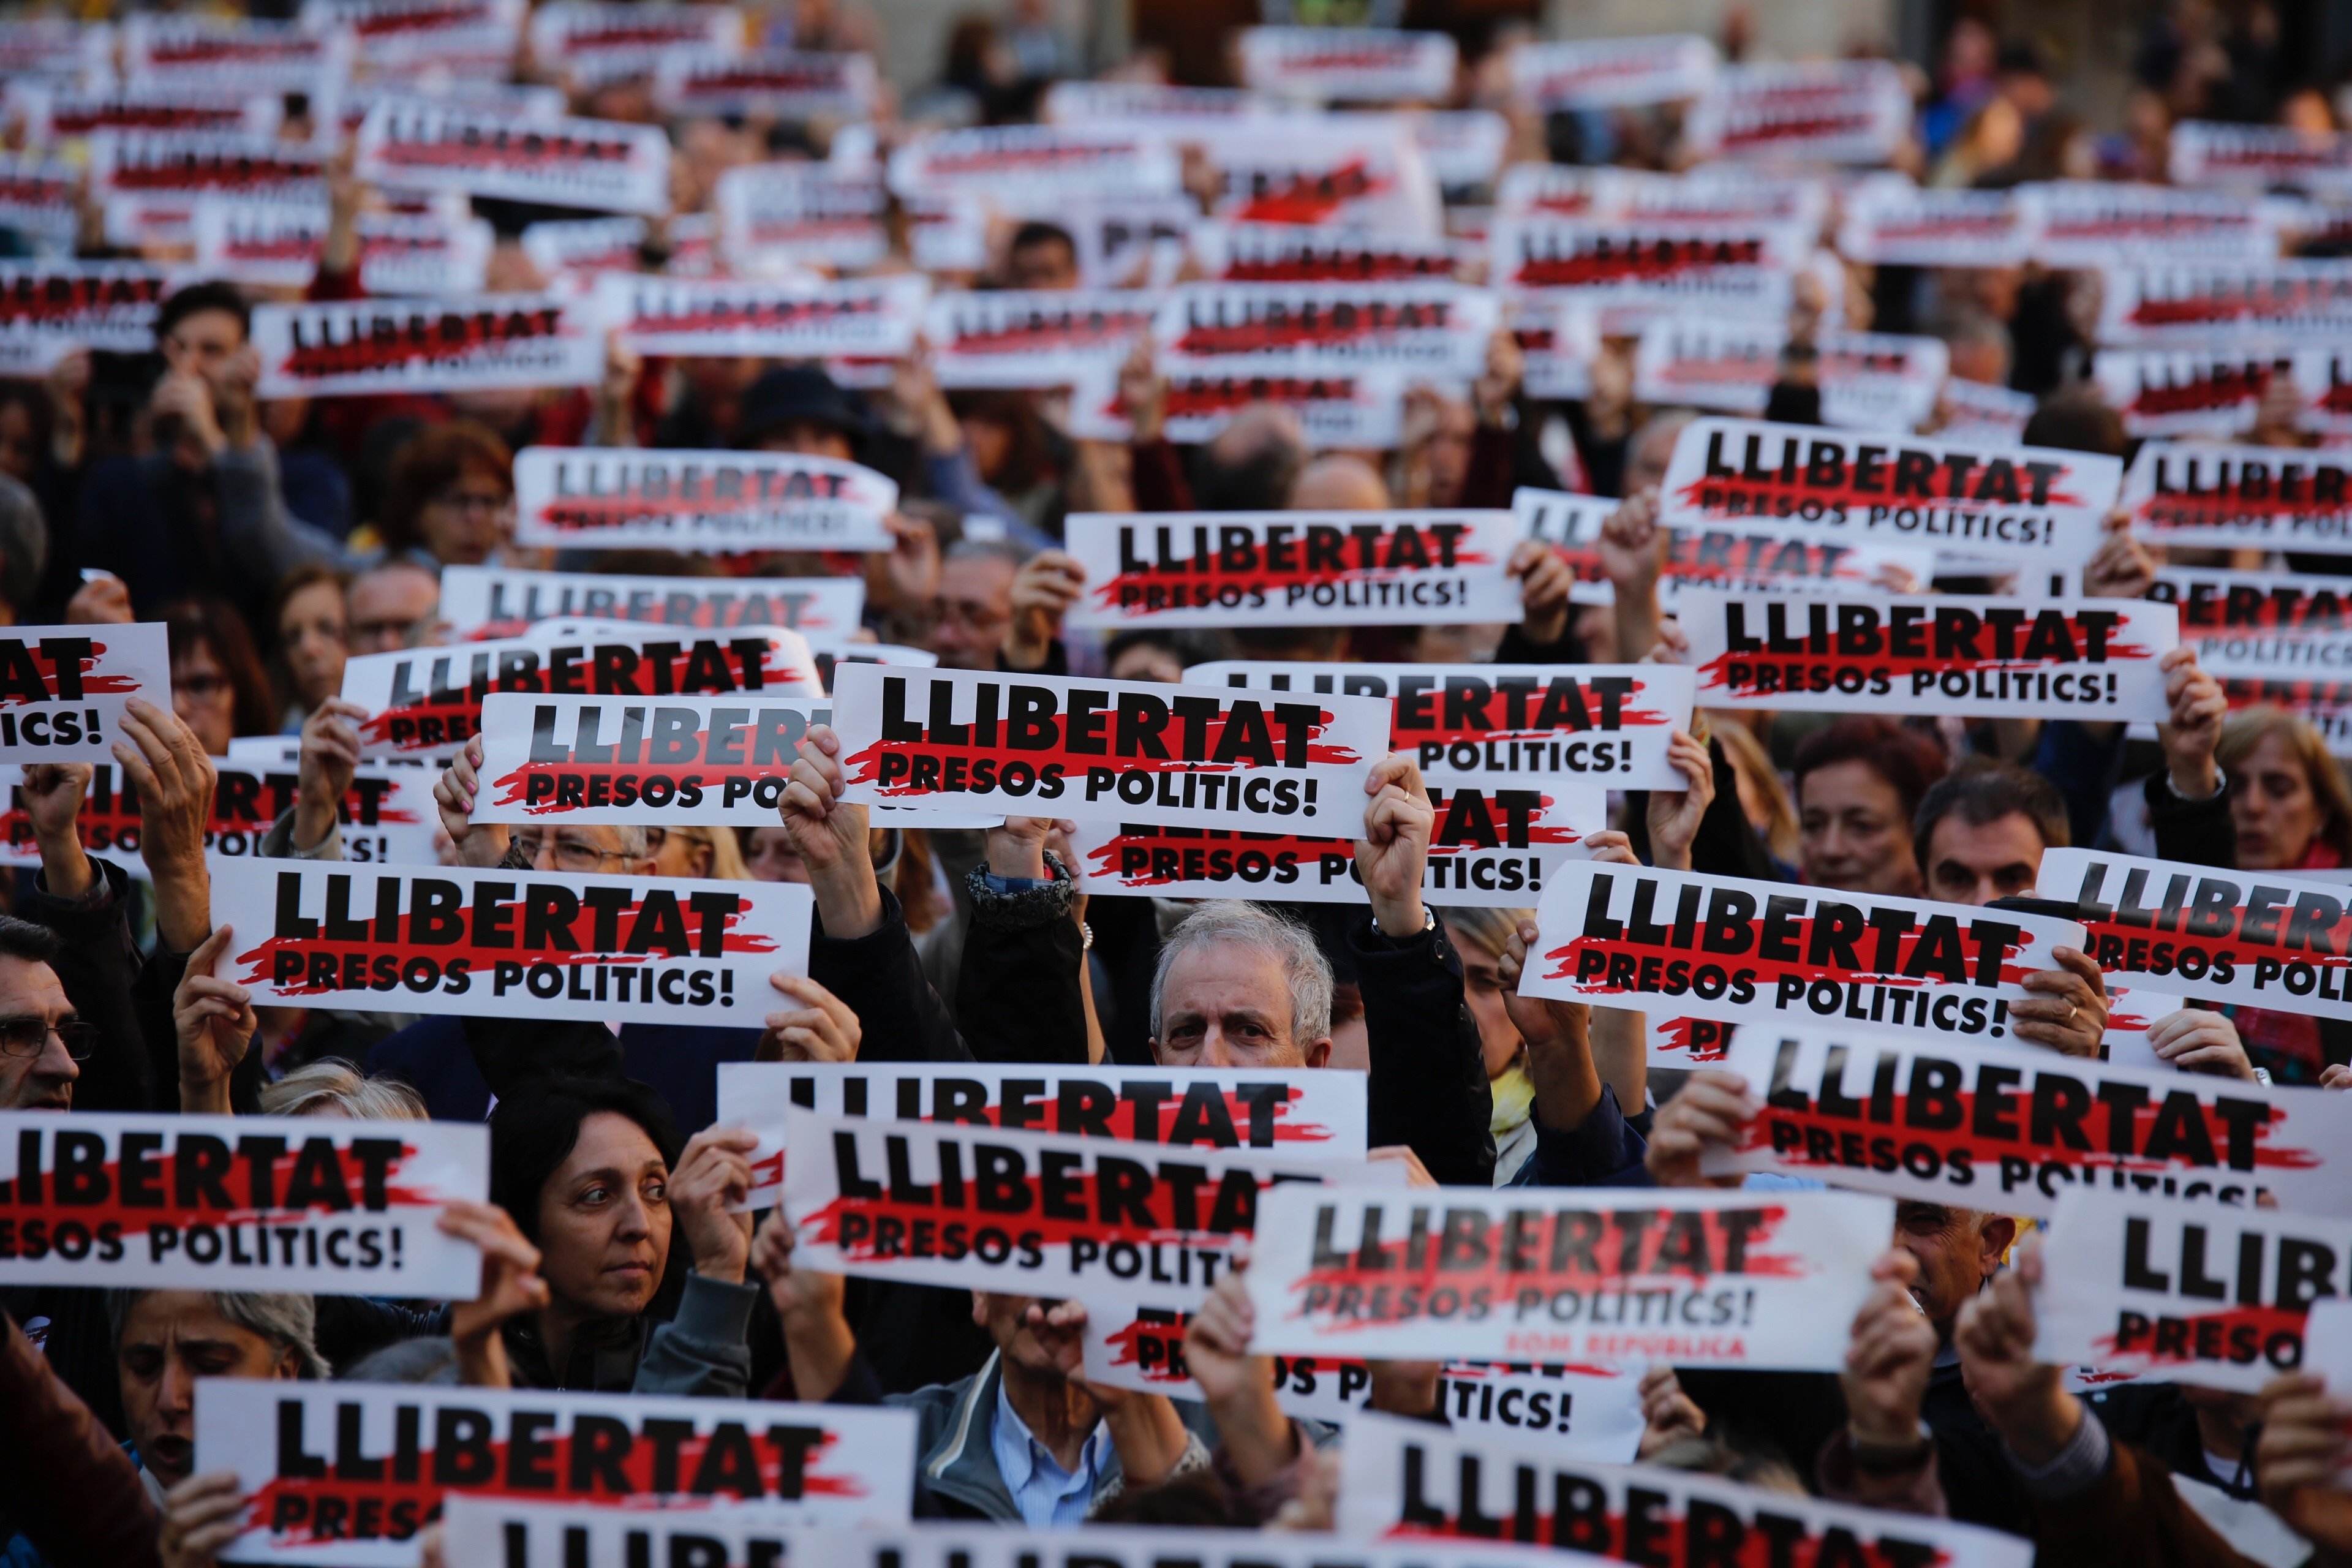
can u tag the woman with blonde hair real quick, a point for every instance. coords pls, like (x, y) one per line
(2291, 811)
(332, 1087)
(1763, 798)
(712, 852)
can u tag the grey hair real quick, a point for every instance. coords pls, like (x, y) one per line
(24, 544)
(331, 1082)
(1004, 550)
(635, 844)
(289, 1320)
(1253, 925)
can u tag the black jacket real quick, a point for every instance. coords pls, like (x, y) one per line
(1428, 1083)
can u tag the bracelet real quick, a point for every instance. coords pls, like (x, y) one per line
(1086, 937)
(1428, 923)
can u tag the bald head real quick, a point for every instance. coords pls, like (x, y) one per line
(1248, 466)
(1338, 484)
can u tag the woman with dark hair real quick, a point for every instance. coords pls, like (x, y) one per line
(591, 1172)
(449, 498)
(218, 689)
(1859, 783)
(313, 637)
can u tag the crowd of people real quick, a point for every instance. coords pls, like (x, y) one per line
(278, 538)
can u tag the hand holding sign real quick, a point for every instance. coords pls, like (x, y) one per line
(2022, 1399)
(1045, 588)
(1891, 1352)
(823, 1029)
(2196, 1040)
(818, 1344)
(483, 844)
(511, 1286)
(712, 1180)
(2302, 1456)
(2068, 1009)
(201, 1516)
(1238, 1387)
(52, 793)
(1674, 815)
(1709, 1113)
(830, 835)
(329, 760)
(174, 778)
(2198, 706)
(213, 1020)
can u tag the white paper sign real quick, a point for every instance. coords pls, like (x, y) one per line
(509, 944)
(51, 309)
(1492, 848)
(1601, 1276)
(388, 816)
(2174, 1292)
(2093, 224)
(1018, 160)
(1430, 328)
(2193, 494)
(1034, 1213)
(499, 601)
(1633, 270)
(602, 164)
(1604, 723)
(1736, 949)
(2018, 506)
(2149, 303)
(2282, 621)
(596, 497)
(1186, 756)
(680, 318)
(659, 761)
(774, 218)
(1353, 409)
(344, 1475)
(2012, 1129)
(370, 347)
(320, 1206)
(1843, 111)
(1562, 74)
(776, 84)
(1974, 658)
(1893, 223)
(64, 689)
(1354, 65)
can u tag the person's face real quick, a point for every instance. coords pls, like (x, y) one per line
(469, 518)
(1003, 1317)
(1967, 863)
(204, 343)
(171, 1338)
(604, 1220)
(203, 698)
(19, 452)
(990, 445)
(389, 609)
(1448, 453)
(1958, 1251)
(1227, 1004)
(1043, 264)
(975, 604)
(807, 438)
(1853, 834)
(770, 858)
(678, 856)
(34, 1076)
(1646, 470)
(2273, 807)
(1482, 987)
(314, 635)
(582, 850)
(1144, 662)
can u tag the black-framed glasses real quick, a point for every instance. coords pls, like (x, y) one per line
(31, 1037)
(570, 854)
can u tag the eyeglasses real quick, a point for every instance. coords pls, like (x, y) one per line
(968, 612)
(31, 1037)
(570, 854)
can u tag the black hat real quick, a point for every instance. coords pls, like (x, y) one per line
(791, 392)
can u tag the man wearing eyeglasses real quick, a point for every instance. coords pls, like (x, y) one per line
(42, 1043)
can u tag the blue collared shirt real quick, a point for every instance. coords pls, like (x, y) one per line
(1048, 1496)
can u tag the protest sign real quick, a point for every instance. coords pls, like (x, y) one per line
(1792, 205)
(1502, 722)
(1599, 1276)
(2269, 939)
(277, 245)
(1931, 654)
(1430, 328)
(64, 689)
(1302, 253)
(1583, 1411)
(2323, 390)
(1843, 111)
(1032, 338)
(772, 84)
(509, 944)
(277, 55)
(2278, 619)
(2218, 497)
(1334, 408)
(161, 164)
(683, 319)
(321, 1205)
(2260, 157)
(1156, 107)
(40, 198)
(1360, 171)
(1106, 751)
(2325, 702)
(2151, 304)
(1351, 65)
(51, 309)
(774, 218)
(1294, 569)
(2175, 1292)
(1632, 270)
(1410, 1478)
(1557, 75)
(619, 760)
(2011, 1130)
(605, 165)
(375, 21)
(387, 816)
(1491, 847)
(1977, 413)
(53, 45)
(346, 1475)
(499, 601)
(1034, 1213)
(53, 113)
(1670, 1040)
(572, 248)
(1305, 1116)
(564, 30)
(1098, 1546)
(593, 497)
(2091, 224)
(430, 700)
(1869, 381)
(2213, 390)
(1743, 950)
(2019, 506)
(367, 348)
(1463, 147)
(1891, 222)
(1016, 161)
(1713, 557)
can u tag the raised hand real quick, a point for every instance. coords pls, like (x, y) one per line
(1393, 855)
(214, 1022)
(829, 837)
(481, 844)
(821, 1029)
(329, 759)
(713, 1176)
